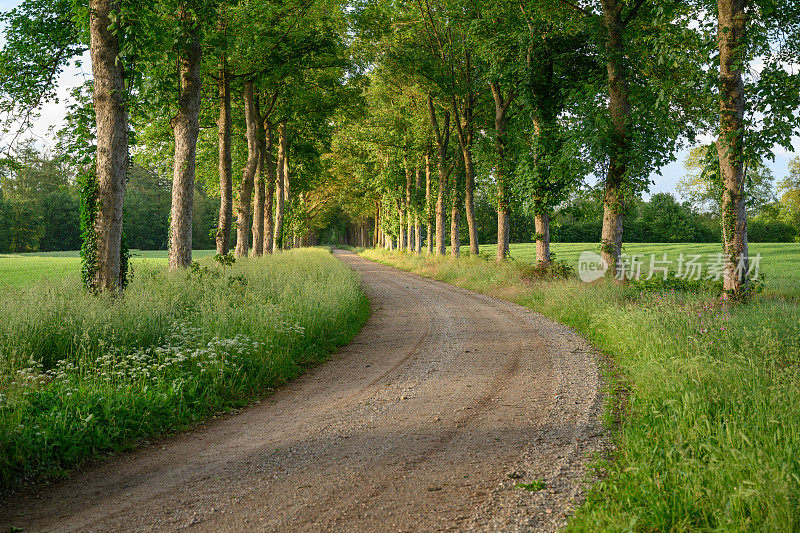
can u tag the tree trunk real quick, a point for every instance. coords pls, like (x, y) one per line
(112, 146)
(225, 163)
(268, 164)
(442, 140)
(619, 110)
(730, 146)
(409, 183)
(377, 240)
(417, 228)
(401, 245)
(258, 200)
(469, 200)
(185, 128)
(540, 200)
(248, 175)
(258, 210)
(455, 219)
(465, 137)
(501, 105)
(428, 213)
(503, 227)
(286, 190)
(542, 222)
(279, 194)
(409, 232)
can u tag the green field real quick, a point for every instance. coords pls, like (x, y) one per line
(17, 270)
(780, 262)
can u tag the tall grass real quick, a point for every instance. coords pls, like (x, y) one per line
(711, 435)
(81, 374)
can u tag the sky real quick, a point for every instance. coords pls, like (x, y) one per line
(52, 118)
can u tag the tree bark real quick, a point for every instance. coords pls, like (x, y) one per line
(279, 181)
(465, 139)
(417, 228)
(730, 146)
(377, 240)
(259, 188)
(542, 222)
(541, 207)
(428, 211)
(259, 192)
(185, 128)
(286, 204)
(442, 138)
(248, 175)
(225, 162)
(401, 234)
(455, 218)
(268, 164)
(112, 145)
(409, 245)
(503, 230)
(619, 110)
(501, 105)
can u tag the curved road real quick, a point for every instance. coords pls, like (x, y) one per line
(426, 421)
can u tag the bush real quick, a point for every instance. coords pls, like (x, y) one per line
(770, 231)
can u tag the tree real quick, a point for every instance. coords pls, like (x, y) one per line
(746, 30)
(789, 189)
(186, 128)
(703, 185)
(665, 220)
(247, 183)
(224, 126)
(103, 249)
(730, 144)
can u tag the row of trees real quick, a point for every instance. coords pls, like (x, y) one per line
(399, 111)
(265, 77)
(39, 207)
(532, 97)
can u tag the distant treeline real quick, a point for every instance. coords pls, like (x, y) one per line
(660, 219)
(40, 208)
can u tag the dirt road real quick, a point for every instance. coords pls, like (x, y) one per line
(426, 421)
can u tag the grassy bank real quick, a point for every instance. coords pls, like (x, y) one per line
(82, 375)
(780, 262)
(711, 435)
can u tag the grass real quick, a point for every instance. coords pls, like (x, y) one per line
(780, 262)
(17, 270)
(710, 438)
(82, 375)
(534, 486)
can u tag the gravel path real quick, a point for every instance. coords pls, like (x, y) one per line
(426, 421)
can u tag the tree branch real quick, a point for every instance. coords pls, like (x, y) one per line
(633, 12)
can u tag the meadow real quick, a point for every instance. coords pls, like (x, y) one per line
(83, 375)
(17, 270)
(704, 397)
